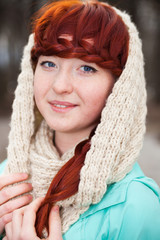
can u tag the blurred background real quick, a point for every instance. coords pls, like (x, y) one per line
(15, 26)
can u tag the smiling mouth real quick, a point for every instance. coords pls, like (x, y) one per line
(58, 106)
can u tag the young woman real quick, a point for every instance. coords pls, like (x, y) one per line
(77, 129)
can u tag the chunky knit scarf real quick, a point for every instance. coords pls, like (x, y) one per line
(114, 147)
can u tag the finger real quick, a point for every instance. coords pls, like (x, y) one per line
(8, 218)
(5, 238)
(8, 230)
(55, 232)
(14, 191)
(28, 227)
(12, 205)
(4, 220)
(17, 220)
(8, 179)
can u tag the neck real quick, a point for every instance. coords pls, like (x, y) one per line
(66, 141)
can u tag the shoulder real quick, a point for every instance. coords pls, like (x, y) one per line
(2, 166)
(143, 193)
(138, 216)
(130, 209)
(143, 198)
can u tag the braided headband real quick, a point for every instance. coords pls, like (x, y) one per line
(103, 44)
(86, 52)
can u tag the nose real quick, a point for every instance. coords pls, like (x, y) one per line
(62, 83)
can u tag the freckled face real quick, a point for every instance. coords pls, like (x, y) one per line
(71, 93)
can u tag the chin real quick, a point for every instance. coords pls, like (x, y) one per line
(58, 127)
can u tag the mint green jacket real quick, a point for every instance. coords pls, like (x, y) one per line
(130, 210)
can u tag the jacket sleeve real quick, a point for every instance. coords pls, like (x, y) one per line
(2, 236)
(2, 166)
(140, 218)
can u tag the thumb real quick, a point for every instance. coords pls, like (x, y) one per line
(55, 224)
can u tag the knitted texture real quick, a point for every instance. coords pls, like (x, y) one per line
(114, 147)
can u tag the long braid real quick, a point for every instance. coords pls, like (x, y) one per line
(64, 185)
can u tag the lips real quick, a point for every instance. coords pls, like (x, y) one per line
(59, 106)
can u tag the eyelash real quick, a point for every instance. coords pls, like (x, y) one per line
(91, 69)
(44, 62)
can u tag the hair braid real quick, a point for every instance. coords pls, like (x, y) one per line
(64, 185)
(85, 51)
(101, 37)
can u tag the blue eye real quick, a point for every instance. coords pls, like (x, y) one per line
(88, 69)
(48, 64)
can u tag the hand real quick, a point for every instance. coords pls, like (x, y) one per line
(7, 206)
(22, 226)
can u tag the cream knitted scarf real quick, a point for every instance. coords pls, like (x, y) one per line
(114, 147)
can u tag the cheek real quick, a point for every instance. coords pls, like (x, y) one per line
(94, 103)
(97, 96)
(95, 99)
(37, 91)
(39, 96)
(40, 87)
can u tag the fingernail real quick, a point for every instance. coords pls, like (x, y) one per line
(25, 175)
(30, 184)
(30, 197)
(56, 208)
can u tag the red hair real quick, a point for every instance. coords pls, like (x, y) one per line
(98, 35)
(95, 21)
